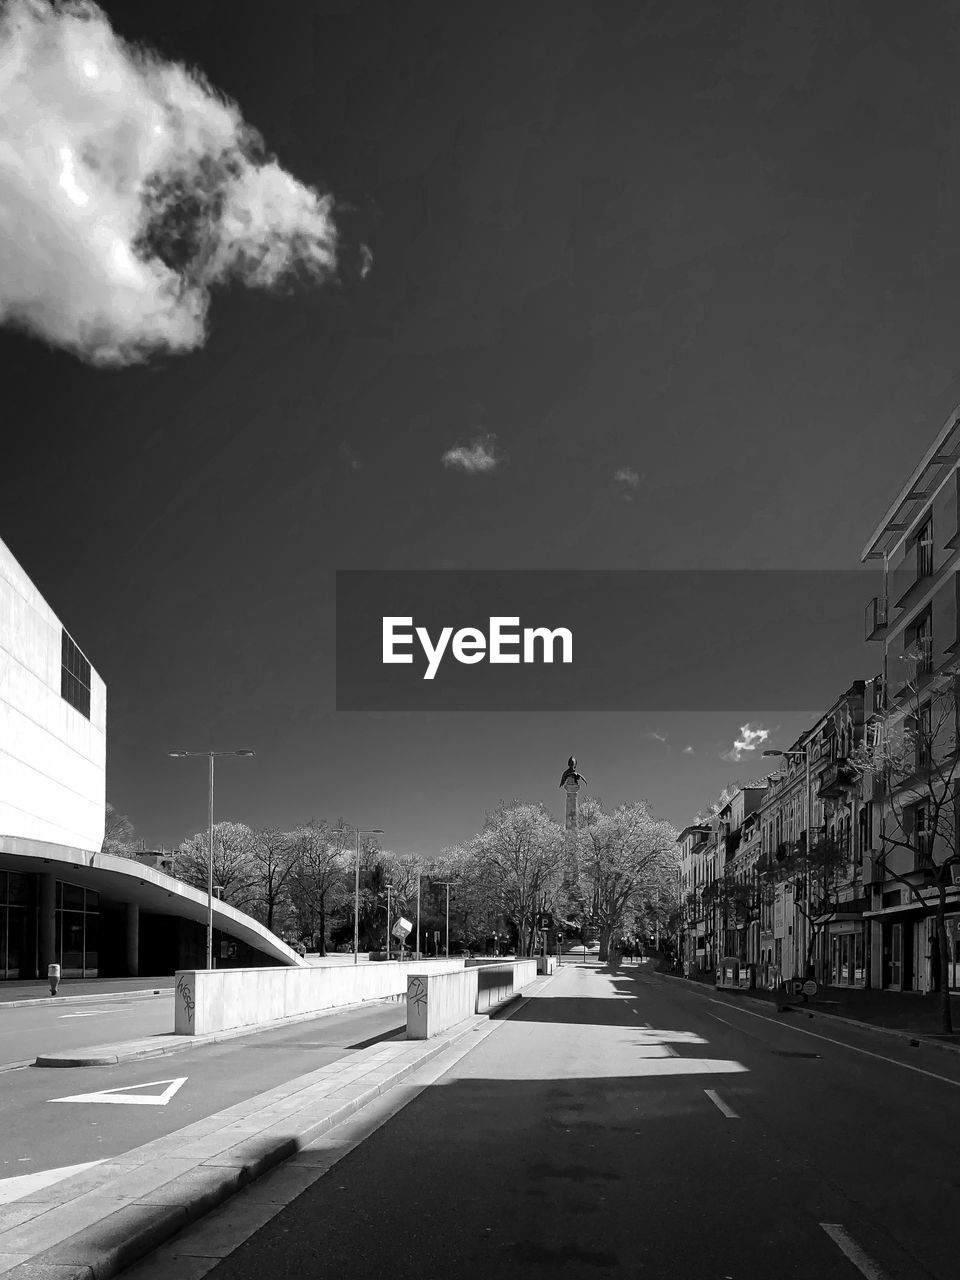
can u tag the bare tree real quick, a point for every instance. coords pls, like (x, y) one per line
(523, 849)
(626, 855)
(118, 833)
(233, 875)
(817, 873)
(319, 873)
(916, 762)
(272, 862)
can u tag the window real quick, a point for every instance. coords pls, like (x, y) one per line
(922, 643)
(866, 827)
(924, 735)
(925, 549)
(922, 830)
(74, 676)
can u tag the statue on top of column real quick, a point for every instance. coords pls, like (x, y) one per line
(570, 773)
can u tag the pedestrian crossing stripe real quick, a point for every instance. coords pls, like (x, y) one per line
(125, 1094)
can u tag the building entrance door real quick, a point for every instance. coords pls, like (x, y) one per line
(896, 956)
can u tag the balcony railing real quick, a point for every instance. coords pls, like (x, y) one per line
(837, 780)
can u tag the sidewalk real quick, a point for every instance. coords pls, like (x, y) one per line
(902, 1013)
(18, 992)
(94, 1224)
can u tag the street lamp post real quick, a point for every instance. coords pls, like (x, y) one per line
(389, 889)
(211, 755)
(419, 876)
(361, 831)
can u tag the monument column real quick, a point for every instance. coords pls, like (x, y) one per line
(570, 782)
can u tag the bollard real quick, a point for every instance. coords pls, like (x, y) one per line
(53, 973)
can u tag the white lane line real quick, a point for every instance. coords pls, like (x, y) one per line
(850, 1249)
(719, 1019)
(721, 1106)
(842, 1044)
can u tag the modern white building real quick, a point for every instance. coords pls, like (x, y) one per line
(61, 900)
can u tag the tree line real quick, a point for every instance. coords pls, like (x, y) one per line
(616, 875)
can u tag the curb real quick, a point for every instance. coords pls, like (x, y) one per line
(161, 1046)
(293, 1116)
(107, 995)
(914, 1039)
(106, 1246)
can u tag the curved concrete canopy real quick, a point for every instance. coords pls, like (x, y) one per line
(129, 881)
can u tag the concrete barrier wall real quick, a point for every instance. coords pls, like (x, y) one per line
(546, 964)
(222, 999)
(438, 1001)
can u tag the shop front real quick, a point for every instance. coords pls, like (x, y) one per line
(846, 954)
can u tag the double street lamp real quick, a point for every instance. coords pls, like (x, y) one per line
(211, 755)
(361, 831)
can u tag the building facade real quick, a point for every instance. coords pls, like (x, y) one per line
(63, 901)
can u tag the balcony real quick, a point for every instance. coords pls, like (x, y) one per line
(875, 619)
(837, 780)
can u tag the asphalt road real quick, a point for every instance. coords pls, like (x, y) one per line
(618, 1124)
(49, 1028)
(38, 1133)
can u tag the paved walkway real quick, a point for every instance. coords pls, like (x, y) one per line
(20, 989)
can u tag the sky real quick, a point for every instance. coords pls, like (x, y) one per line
(581, 286)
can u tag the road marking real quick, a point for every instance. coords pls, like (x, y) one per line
(719, 1019)
(840, 1043)
(92, 1013)
(124, 1094)
(25, 1184)
(721, 1106)
(849, 1247)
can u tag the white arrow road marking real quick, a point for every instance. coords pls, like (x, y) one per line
(849, 1247)
(24, 1184)
(124, 1094)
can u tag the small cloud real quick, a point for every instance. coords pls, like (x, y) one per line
(687, 751)
(626, 480)
(349, 458)
(752, 737)
(480, 455)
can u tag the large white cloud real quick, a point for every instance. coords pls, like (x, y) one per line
(128, 187)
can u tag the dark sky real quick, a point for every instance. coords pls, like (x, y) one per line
(712, 244)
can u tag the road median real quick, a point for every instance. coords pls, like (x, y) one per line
(97, 1222)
